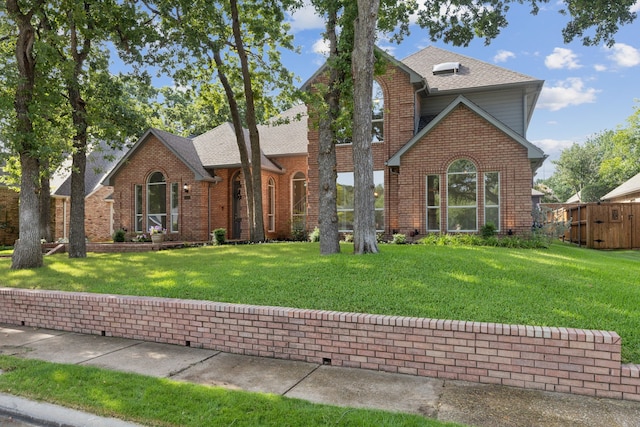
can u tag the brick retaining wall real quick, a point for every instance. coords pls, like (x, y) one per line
(554, 359)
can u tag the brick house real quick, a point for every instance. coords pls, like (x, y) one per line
(450, 155)
(191, 186)
(450, 148)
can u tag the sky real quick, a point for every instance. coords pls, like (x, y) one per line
(587, 90)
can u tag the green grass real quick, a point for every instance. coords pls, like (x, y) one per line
(562, 286)
(162, 402)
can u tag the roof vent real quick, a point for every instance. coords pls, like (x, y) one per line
(446, 68)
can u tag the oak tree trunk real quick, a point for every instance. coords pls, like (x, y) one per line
(28, 250)
(327, 162)
(364, 226)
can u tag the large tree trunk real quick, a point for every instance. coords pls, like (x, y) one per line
(77, 236)
(239, 132)
(254, 138)
(28, 251)
(327, 162)
(364, 226)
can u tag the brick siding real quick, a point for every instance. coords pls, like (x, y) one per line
(577, 361)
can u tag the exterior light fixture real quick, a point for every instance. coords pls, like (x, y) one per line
(185, 188)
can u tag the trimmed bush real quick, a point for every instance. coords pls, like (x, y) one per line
(219, 236)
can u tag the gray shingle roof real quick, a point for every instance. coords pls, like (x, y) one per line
(288, 138)
(472, 74)
(99, 163)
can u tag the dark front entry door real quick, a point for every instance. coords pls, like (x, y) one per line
(237, 208)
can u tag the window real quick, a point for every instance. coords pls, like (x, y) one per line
(138, 208)
(346, 198)
(271, 208)
(299, 202)
(156, 201)
(462, 200)
(433, 203)
(175, 197)
(377, 113)
(492, 199)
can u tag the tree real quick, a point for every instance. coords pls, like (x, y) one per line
(364, 225)
(27, 253)
(238, 43)
(622, 153)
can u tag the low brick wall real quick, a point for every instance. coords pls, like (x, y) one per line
(554, 359)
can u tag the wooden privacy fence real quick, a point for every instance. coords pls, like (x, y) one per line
(603, 225)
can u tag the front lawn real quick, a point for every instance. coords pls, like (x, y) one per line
(562, 286)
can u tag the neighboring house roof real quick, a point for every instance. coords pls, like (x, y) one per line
(99, 163)
(628, 187)
(535, 192)
(574, 199)
(535, 155)
(472, 74)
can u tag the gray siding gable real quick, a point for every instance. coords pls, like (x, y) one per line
(534, 153)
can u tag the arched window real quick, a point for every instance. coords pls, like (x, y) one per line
(377, 113)
(462, 196)
(271, 208)
(299, 201)
(157, 201)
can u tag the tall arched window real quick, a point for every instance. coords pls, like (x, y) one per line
(156, 201)
(271, 201)
(462, 196)
(377, 113)
(299, 201)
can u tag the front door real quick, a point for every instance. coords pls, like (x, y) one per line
(236, 201)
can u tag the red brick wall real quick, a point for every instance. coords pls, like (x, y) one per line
(154, 156)
(464, 134)
(9, 216)
(564, 360)
(98, 216)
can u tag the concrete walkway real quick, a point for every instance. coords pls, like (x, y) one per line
(465, 403)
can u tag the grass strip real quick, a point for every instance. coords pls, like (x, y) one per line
(163, 402)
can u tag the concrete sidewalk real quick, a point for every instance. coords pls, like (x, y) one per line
(465, 403)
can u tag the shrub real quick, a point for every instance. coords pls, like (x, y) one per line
(219, 236)
(314, 236)
(348, 237)
(119, 236)
(399, 239)
(488, 230)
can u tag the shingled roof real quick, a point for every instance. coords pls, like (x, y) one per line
(472, 73)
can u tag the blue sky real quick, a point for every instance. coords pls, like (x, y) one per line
(587, 89)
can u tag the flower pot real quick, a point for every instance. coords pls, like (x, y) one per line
(157, 238)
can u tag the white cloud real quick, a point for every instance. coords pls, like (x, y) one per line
(306, 18)
(571, 91)
(321, 47)
(503, 56)
(624, 55)
(636, 7)
(562, 58)
(552, 146)
(600, 67)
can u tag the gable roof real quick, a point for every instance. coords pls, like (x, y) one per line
(289, 138)
(472, 74)
(414, 77)
(628, 187)
(181, 147)
(533, 153)
(99, 163)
